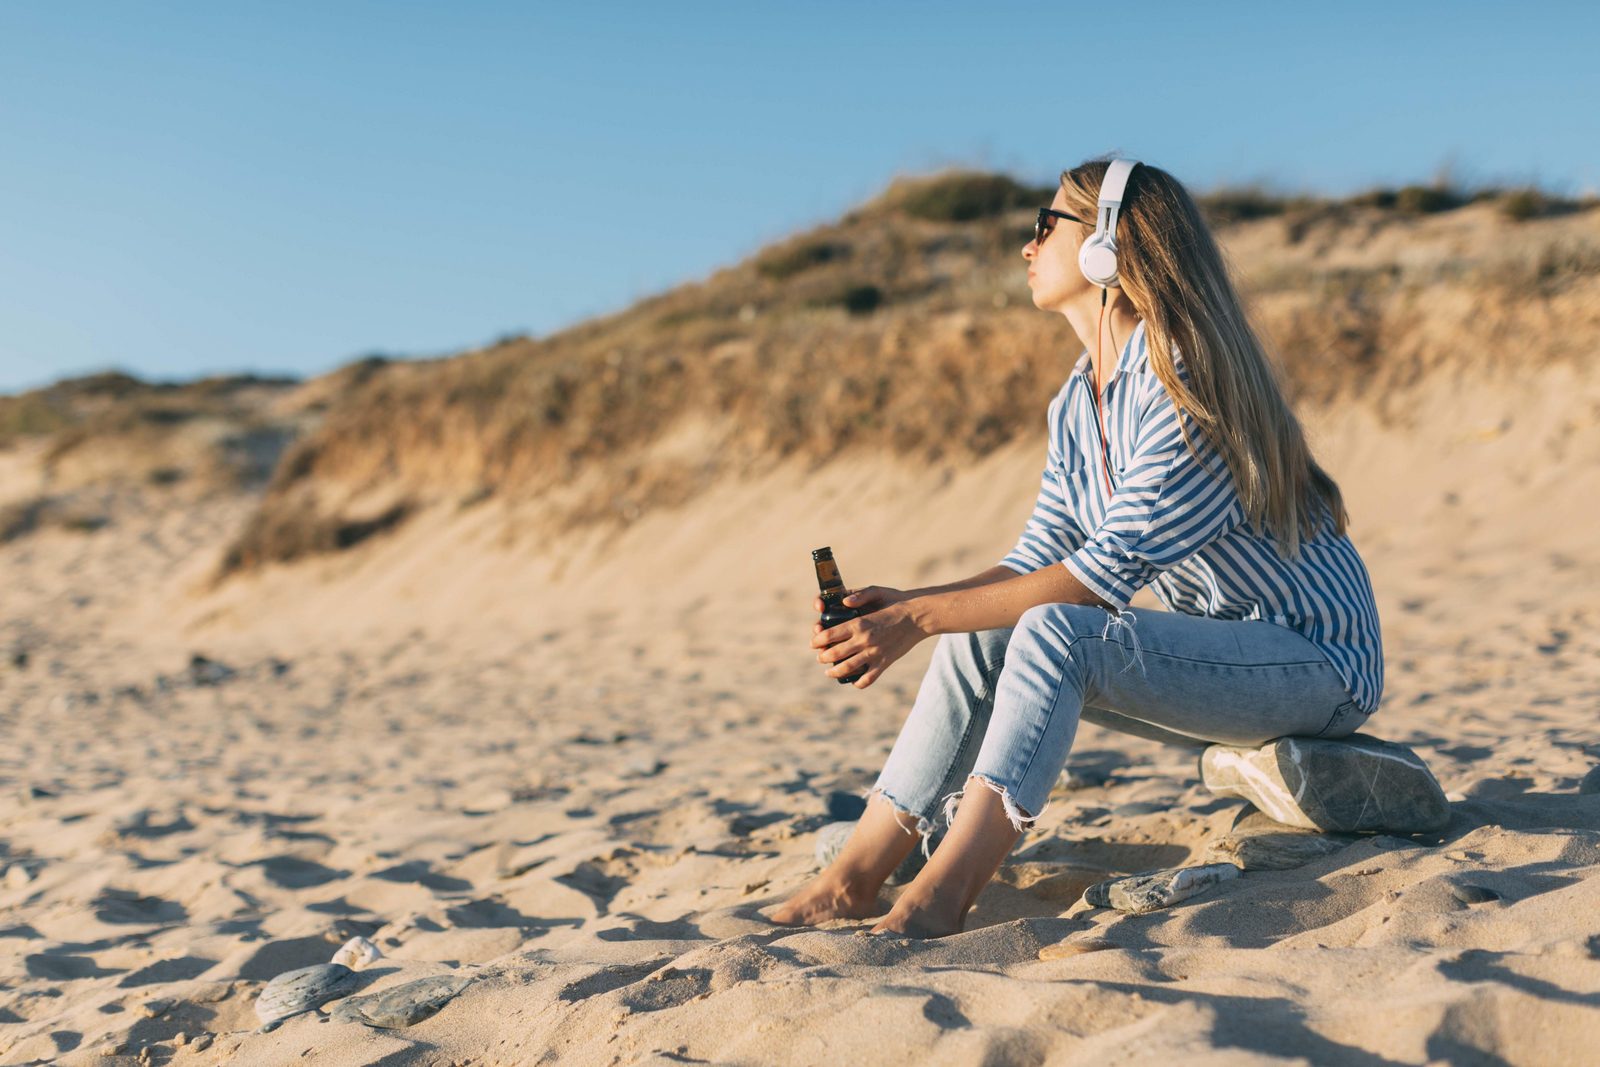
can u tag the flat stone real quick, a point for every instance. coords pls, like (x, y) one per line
(304, 989)
(1076, 947)
(1257, 843)
(1346, 785)
(1139, 893)
(1473, 894)
(404, 1005)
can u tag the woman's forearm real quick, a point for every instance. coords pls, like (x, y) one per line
(999, 602)
(997, 573)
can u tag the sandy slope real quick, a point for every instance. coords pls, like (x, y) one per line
(574, 771)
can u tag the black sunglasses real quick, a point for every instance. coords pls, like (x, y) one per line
(1046, 222)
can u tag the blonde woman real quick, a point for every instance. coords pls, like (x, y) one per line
(1173, 461)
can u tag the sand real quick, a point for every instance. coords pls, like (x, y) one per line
(573, 772)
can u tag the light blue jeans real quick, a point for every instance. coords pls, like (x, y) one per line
(1003, 705)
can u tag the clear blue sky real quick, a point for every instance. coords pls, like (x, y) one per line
(191, 188)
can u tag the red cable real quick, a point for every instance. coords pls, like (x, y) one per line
(1098, 407)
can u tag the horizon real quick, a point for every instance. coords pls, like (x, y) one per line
(187, 205)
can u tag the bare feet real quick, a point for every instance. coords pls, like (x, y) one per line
(926, 916)
(824, 898)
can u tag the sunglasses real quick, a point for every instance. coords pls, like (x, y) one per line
(1046, 222)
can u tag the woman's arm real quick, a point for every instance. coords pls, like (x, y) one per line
(997, 573)
(867, 645)
(997, 602)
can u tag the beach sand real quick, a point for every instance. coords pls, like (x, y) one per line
(572, 771)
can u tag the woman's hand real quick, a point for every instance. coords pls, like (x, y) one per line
(869, 598)
(867, 645)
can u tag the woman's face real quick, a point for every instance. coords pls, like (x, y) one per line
(1053, 272)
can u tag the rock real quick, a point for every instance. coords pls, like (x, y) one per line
(204, 671)
(403, 1005)
(1345, 785)
(1590, 782)
(1139, 893)
(304, 989)
(1473, 894)
(1075, 947)
(357, 953)
(643, 767)
(831, 839)
(1257, 843)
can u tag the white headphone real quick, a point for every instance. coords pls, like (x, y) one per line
(1097, 256)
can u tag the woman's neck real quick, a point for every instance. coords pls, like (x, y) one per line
(1120, 319)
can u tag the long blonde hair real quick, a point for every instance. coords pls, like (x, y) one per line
(1172, 271)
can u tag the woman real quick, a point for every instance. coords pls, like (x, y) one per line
(1173, 461)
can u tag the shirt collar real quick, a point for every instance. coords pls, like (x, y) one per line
(1135, 355)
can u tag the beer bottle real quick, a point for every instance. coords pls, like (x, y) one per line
(833, 593)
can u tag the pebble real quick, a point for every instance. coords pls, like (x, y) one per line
(1140, 893)
(304, 989)
(404, 1005)
(1078, 947)
(1473, 894)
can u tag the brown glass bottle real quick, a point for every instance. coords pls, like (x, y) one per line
(833, 593)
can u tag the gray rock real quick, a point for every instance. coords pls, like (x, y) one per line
(1139, 893)
(1473, 894)
(1590, 782)
(831, 839)
(1345, 785)
(304, 989)
(1257, 843)
(404, 1005)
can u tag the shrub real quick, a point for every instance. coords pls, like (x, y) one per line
(786, 261)
(964, 195)
(1427, 199)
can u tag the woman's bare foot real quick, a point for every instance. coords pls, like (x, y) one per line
(825, 898)
(917, 915)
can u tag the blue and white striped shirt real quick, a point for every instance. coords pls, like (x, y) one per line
(1178, 525)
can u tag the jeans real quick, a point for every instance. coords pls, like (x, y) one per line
(1003, 705)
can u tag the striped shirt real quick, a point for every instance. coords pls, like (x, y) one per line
(1178, 525)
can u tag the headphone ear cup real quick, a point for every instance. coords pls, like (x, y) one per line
(1097, 258)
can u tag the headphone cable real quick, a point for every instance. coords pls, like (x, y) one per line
(1098, 406)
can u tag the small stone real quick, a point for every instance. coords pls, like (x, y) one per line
(644, 767)
(1345, 785)
(357, 953)
(1257, 843)
(1473, 894)
(1591, 782)
(1077, 947)
(180, 1039)
(404, 1005)
(204, 671)
(1139, 893)
(201, 1043)
(18, 876)
(304, 989)
(158, 1007)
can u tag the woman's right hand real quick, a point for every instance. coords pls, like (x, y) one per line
(867, 599)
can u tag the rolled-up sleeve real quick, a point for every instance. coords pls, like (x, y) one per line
(1168, 504)
(1051, 532)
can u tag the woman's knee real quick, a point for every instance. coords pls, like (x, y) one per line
(1057, 624)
